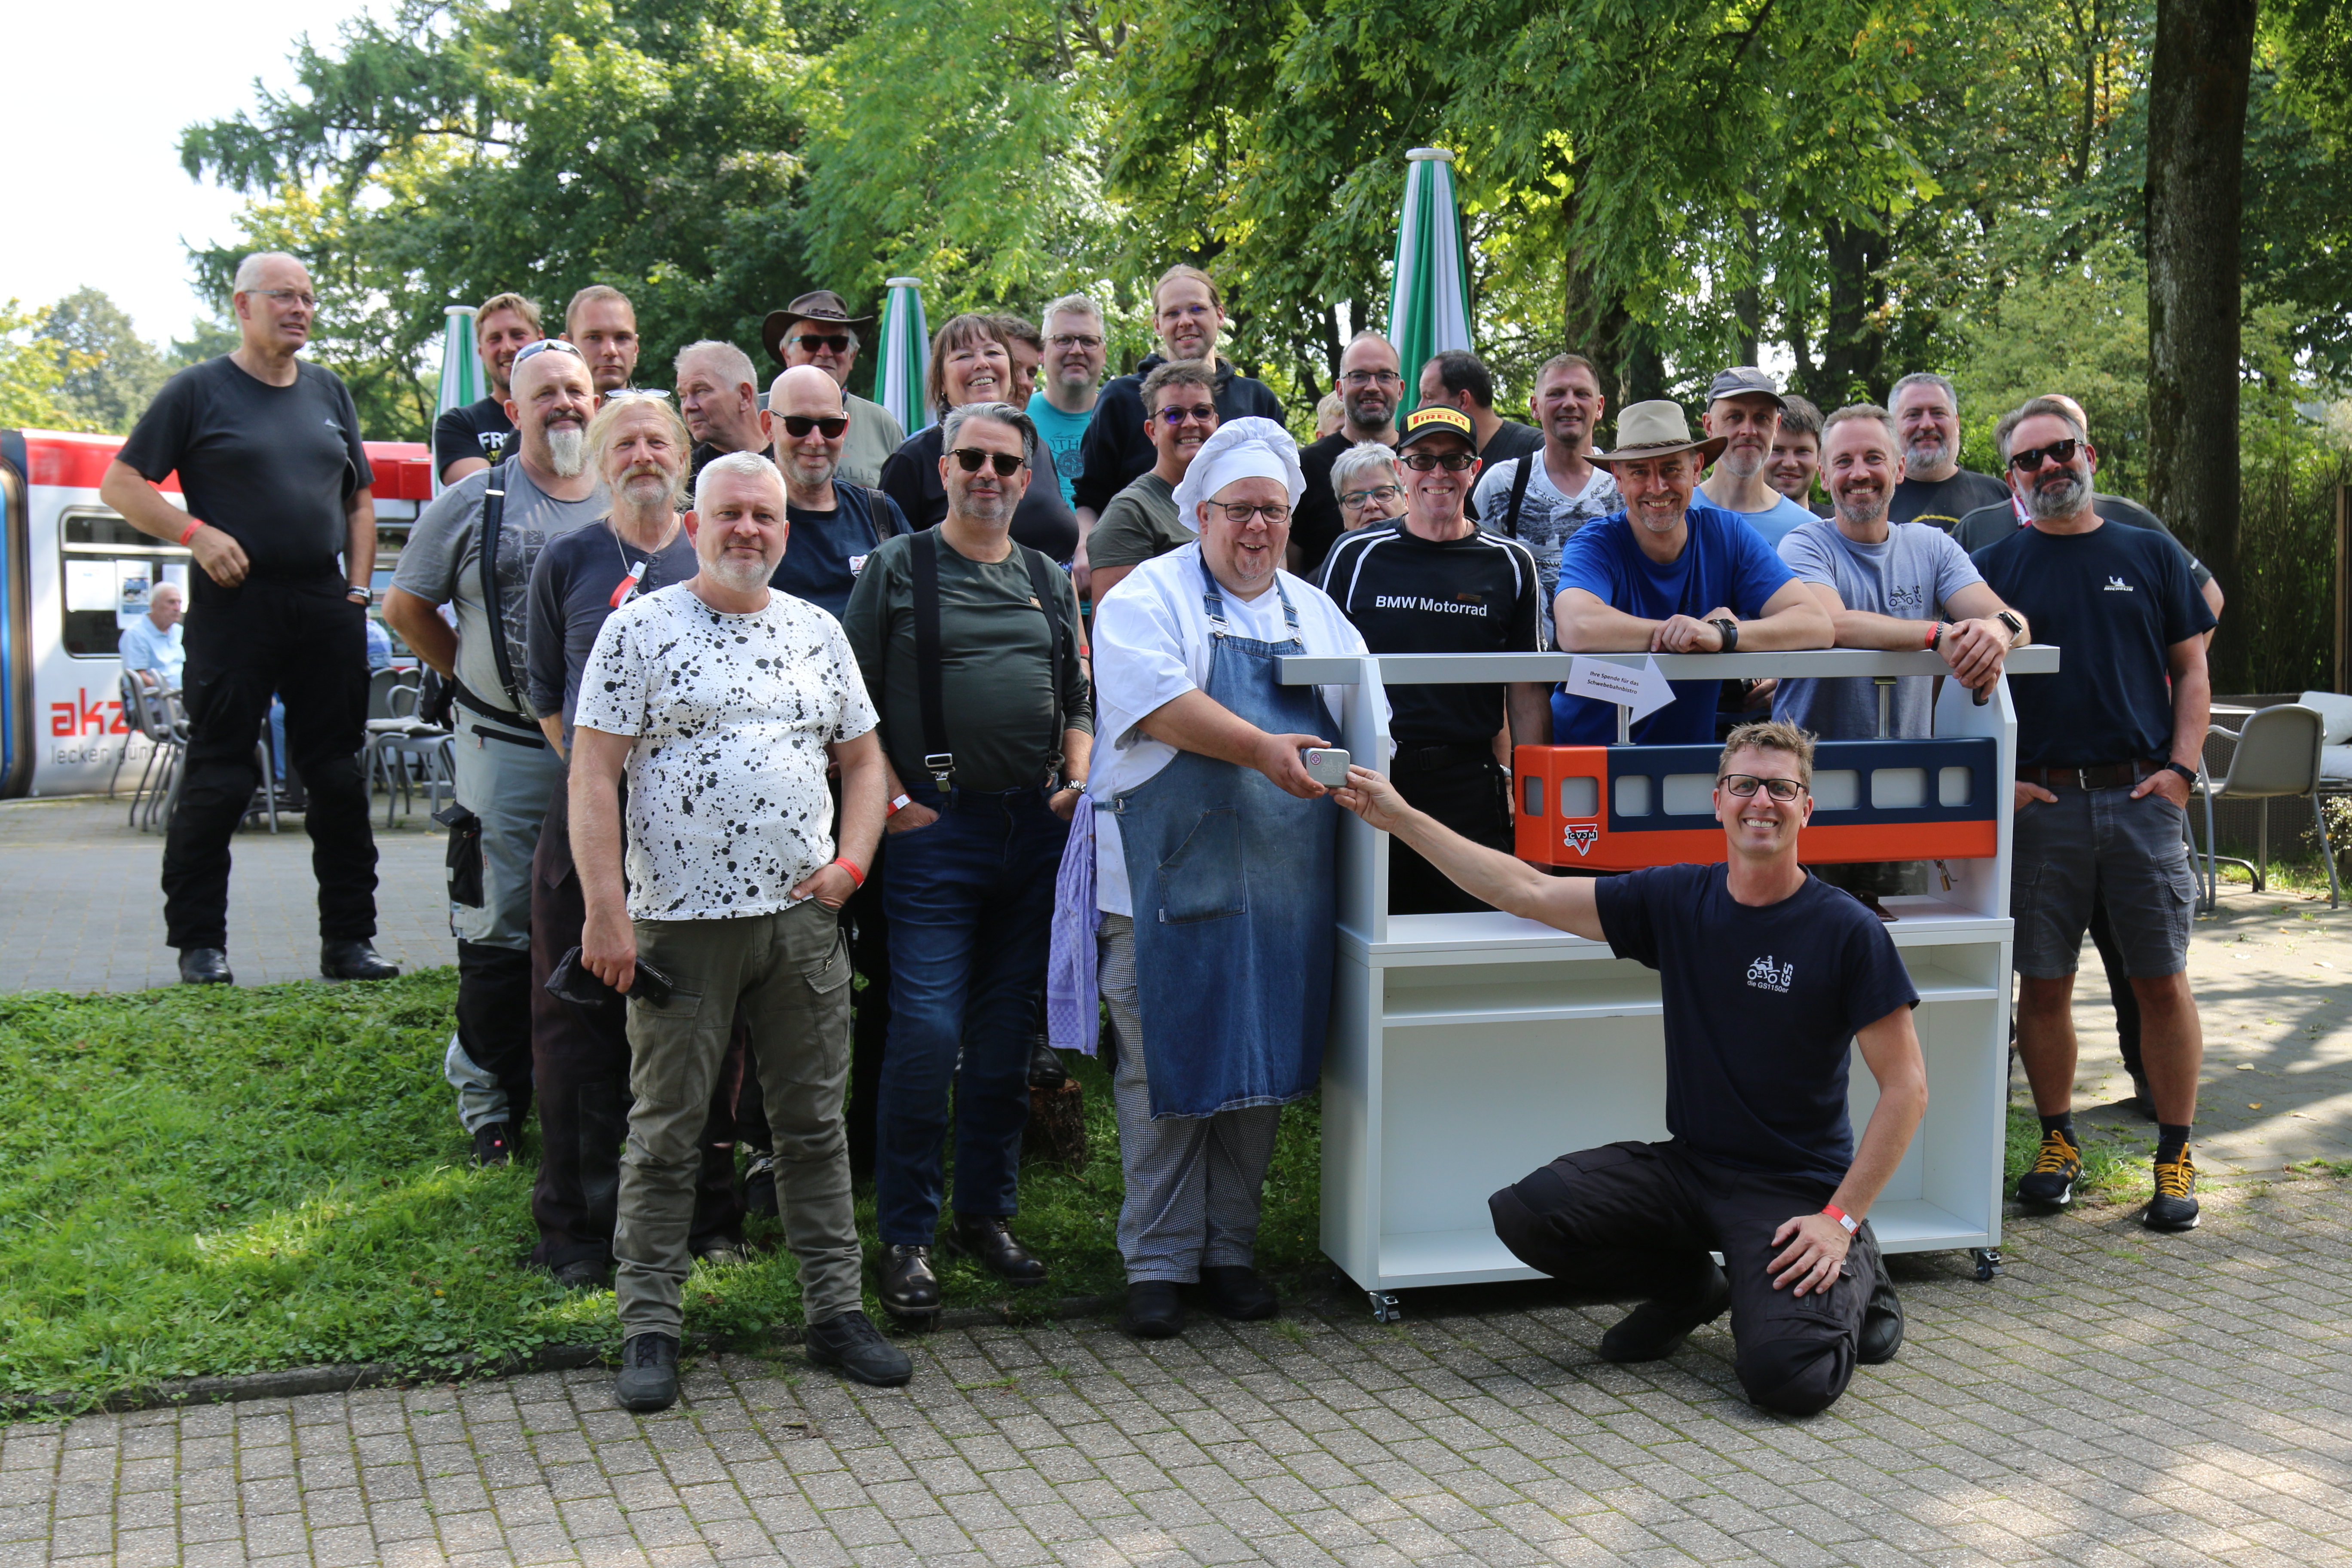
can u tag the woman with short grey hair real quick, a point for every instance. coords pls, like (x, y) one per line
(1364, 477)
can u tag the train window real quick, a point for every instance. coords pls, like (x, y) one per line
(107, 529)
(1954, 786)
(106, 570)
(1899, 789)
(1837, 789)
(1579, 796)
(1633, 795)
(1690, 794)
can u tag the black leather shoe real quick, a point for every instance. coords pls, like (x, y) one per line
(648, 1379)
(989, 1238)
(1155, 1310)
(1882, 1326)
(354, 961)
(204, 967)
(584, 1274)
(853, 1346)
(910, 1288)
(1235, 1291)
(1656, 1330)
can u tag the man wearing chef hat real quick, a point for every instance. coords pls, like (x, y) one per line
(1214, 864)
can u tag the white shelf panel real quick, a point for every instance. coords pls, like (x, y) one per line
(1447, 1257)
(1936, 983)
(1527, 1002)
(1914, 1225)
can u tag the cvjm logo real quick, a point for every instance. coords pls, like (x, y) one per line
(1583, 835)
(1763, 976)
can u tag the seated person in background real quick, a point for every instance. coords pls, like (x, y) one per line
(1769, 979)
(1744, 407)
(152, 647)
(1796, 460)
(379, 643)
(1669, 575)
(1179, 414)
(1364, 480)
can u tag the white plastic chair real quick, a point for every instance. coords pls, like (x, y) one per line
(2275, 753)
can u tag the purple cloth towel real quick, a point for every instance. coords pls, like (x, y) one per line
(1072, 997)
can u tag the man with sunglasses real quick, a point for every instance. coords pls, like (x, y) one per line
(1140, 523)
(817, 328)
(2106, 750)
(1372, 389)
(1771, 980)
(1062, 404)
(1433, 582)
(971, 643)
(506, 771)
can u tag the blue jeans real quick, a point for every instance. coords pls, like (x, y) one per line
(971, 900)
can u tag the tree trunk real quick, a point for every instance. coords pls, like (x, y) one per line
(2195, 195)
(1853, 340)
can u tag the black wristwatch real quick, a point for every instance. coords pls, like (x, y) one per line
(2185, 772)
(2016, 627)
(1730, 630)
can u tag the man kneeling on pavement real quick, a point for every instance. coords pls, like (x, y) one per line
(1769, 977)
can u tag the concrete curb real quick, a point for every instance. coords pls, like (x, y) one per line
(295, 1382)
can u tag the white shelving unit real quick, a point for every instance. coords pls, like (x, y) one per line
(1467, 1049)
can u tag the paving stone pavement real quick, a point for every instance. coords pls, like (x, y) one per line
(2116, 1398)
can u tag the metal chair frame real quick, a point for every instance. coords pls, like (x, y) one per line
(2243, 741)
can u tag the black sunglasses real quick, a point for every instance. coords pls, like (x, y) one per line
(2033, 458)
(1006, 463)
(829, 426)
(812, 341)
(1452, 462)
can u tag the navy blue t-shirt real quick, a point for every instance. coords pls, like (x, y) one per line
(826, 550)
(1761, 1007)
(1724, 561)
(2114, 600)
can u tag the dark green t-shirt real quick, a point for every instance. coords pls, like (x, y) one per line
(997, 681)
(1139, 525)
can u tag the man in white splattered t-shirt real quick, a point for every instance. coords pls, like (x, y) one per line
(725, 702)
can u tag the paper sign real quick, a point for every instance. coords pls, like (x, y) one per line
(1638, 687)
(90, 585)
(131, 579)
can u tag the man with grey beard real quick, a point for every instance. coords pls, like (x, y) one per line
(506, 771)
(1935, 488)
(2106, 750)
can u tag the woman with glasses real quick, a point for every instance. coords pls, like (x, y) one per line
(971, 362)
(1364, 478)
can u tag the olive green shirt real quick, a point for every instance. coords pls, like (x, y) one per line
(1137, 526)
(996, 680)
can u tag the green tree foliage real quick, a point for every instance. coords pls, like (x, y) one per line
(108, 370)
(33, 373)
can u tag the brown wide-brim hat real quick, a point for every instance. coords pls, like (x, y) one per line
(1658, 429)
(817, 305)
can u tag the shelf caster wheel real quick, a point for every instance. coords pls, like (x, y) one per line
(1987, 1261)
(1384, 1307)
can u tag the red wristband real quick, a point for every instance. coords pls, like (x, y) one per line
(850, 866)
(190, 531)
(1844, 1218)
(1933, 628)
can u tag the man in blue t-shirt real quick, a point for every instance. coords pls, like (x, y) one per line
(1670, 575)
(834, 525)
(1769, 975)
(1744, 406)
(1069, 380)
(2106, 749)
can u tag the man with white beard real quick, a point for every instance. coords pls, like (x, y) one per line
(1743, 407)
(506, 771)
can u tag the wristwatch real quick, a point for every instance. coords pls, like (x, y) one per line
(2183, 769)
(2016, 627)
(359, 595)
(1730, 630)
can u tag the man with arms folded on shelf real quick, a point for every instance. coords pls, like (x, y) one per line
(1669, 574)
(1217, 1000)
(1436, 582)
(1893, 586)
(580, 1053)
(2106, 750)
(725, 702)
(468, 440)
(1140, 523)
(1769, 978)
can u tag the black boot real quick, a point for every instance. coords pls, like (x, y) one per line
(909, 1289)
(989, 1238)
(354, 959)
(204, 967)
(648, 1379)
(1656, 1330)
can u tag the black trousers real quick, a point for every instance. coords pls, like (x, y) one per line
(580, 1063)
(1638, 1220)
(307, 643)
(1471, 797)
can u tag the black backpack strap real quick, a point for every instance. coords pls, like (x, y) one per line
(1519, 494)
(1041, 572)
(494, 511)
(937, 759)
(879, 508)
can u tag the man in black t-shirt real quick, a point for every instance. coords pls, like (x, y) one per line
(1769, 975)
(1460, 380)
(1372, 389)
(1935, 488)
(2106, 749)
(1432, 582)
(470, 440)
(267, 449)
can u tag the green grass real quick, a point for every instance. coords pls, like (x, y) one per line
(2115, 1162)
(225, 1180)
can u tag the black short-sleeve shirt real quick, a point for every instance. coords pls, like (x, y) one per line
(272, 466)
(1944, 502)
(1761, 1007)
(478, 430)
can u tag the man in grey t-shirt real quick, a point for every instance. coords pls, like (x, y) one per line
(1541, 500)
(506, 771)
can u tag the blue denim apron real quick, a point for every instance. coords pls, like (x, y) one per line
(1234, 898)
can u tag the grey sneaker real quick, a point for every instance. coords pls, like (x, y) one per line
(648, 1379)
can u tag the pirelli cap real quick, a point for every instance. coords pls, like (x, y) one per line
(1435, 419)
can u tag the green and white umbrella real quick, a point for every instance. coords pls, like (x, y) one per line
(905, 360)
(1429, 307)
(463, 380)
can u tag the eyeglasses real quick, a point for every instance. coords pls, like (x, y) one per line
(812, 341)
(829, 426)
(544, 345)
(1073, 340)
(1241, 511)
(1377, 492)
(1199, 414)
(303, 297)
(2030, 462)
(1006, 463)
(1370, 377)
(1452, 462)
(1743, 785)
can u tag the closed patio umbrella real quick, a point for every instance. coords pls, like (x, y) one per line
(906, 356)
(462, 379)
(1428, 305)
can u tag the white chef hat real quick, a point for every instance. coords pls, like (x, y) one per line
(1240, 449)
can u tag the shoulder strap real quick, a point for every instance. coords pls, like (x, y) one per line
(925, 563)
(1041, 584)
(1519, 494)
(878, 508)
(494, 511)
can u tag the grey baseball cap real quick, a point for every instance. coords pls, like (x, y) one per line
(1744, 381)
